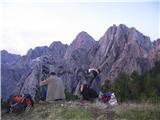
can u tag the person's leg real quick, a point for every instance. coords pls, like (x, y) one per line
(85, 94)
(92, 93)
(43, 92)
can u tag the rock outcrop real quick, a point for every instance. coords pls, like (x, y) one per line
(83, 41)
(119, 49)
(122, 49)
(23, 74)
(154, 54)
(8, 57)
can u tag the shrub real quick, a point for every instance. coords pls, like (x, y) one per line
(70, 96)
(138, 87)
(106, 86)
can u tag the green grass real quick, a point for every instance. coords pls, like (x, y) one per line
(139, 111)
(88, 111)
(52, 112)
(141, 115)
(59, 112)
(75, 113)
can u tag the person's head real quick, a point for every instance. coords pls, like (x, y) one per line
(52, 73)
(93, 72)
(98, 71)
(28, 96)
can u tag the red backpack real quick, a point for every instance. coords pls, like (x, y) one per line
(19, 103)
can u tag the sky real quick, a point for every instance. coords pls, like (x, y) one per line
(27, 24)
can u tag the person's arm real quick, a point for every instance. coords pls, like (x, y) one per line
(44, 82)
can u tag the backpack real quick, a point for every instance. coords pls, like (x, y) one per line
(88, 93)
(19, 107)
(106, 97)
(18, 104)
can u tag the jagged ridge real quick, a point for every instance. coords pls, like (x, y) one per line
(119, 49)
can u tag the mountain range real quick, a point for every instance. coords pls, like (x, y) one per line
(120, 49)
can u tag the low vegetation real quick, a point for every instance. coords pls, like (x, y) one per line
(139, 111)
(136, 87)
(70, 96)
(88, 111)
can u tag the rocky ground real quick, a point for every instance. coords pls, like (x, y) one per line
(88, 111)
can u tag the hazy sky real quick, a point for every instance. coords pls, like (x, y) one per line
(27, 24)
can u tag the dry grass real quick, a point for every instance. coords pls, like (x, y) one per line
(88, 111)
(138, 111)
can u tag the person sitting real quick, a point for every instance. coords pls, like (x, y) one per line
(55, 89)
(88, 93)
(94, 81)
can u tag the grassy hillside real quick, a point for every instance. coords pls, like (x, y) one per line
(88, 111)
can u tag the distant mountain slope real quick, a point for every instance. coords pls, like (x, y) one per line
(154, 54)
(119, 49)
(8, 57)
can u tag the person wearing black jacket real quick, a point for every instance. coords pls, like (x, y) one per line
(91, 89)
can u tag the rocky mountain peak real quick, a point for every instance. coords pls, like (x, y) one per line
(83, 35)
(37, 52)
(8, 57)
(120, 49)
(82, 41)
(114, 32)
(57, 44)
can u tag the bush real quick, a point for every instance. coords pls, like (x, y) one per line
(70, 96)
(106, 86)
(138, 87)
(120, 87)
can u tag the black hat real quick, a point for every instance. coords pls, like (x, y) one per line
(52, 73)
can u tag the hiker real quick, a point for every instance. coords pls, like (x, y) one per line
(55, 89)
(94, 81)
(19, 103)
(91, 89)
(80, 77)
(87, 93)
